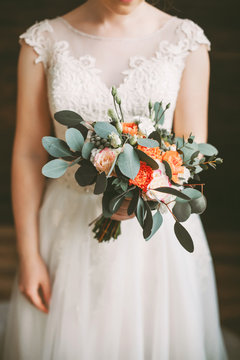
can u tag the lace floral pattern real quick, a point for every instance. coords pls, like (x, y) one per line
(75, 83)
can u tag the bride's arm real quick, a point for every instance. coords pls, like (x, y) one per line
(191, 113)
(33, 122)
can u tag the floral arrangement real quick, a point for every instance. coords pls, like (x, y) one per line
(138, 160)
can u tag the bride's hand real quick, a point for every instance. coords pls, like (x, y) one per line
(34, 282)
(122, 214)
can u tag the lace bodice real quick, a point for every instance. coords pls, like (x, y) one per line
(81, 68)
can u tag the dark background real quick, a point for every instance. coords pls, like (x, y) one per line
(220, 21)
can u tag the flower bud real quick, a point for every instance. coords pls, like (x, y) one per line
(114, 91)
(118, 100)
(133, 140)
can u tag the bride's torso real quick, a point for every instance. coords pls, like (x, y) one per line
(81, 68)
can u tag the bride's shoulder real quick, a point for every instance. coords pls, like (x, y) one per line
(190, 32)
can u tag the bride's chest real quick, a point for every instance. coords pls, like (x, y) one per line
(83, 83)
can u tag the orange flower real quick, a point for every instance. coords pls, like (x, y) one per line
(175, 161)
(144, 176)
(155, 153)
(129, 128)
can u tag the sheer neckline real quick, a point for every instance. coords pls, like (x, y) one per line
(98, 37)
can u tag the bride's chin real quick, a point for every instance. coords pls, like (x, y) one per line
(122, 7)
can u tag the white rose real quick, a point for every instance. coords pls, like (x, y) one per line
(115, 139)
(159, 180)
(145, 125)
(185, 176)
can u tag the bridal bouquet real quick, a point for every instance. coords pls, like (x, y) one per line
(137, 160)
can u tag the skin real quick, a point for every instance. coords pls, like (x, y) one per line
(106, 18)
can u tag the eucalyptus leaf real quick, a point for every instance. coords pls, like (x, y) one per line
(104, 128)
(140, 211)
(86, 174)
(172, 191)
(101, 183)
(74, 139)
(182, 211)
(55, 168)
(183, 237)
(115, 204)
(198, 205)
(168, 169)
(190, 193)
(157, 222)
(68, 117)
(155, 136)
(56, 147)
(86, 150)
(128, 162)
(150, 143)
(147, 159)
(159, 113)
(105, 204)
(148, 221)
(133, 203)
(207, 149)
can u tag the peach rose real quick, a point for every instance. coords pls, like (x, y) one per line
(104, 160)
(175, 161)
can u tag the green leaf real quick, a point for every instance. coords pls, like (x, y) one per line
(55, 168)
(183, 237)
(128, 162)
(155, 136)
(147, 159)
(105, 204)
(190, 193)
(159, 115)
(172, 191)
(86, 174)
(168, 169)
(188, 150)
(74, 139)
(68, 117)
(198, 205)
(207, 149)
(140, 211)
(86, 150)
(133, 203)
(182, 211)
(150, 143)
(157, 222)
(56, 147)
(115, 203)
(148, 221)
(101, 183)
(103, 129)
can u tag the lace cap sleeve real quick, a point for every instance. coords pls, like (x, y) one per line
(37, 36)
(194, 35)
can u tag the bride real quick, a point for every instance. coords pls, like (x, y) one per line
(129, 299)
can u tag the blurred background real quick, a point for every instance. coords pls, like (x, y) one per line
(220, 21)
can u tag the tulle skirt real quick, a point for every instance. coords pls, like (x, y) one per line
(124, 300)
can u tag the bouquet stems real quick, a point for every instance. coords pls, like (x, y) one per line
(106, 229)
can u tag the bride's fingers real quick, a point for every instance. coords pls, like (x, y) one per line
(35, 299)
(46, 292)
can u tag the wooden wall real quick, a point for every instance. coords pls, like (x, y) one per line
(220, 20)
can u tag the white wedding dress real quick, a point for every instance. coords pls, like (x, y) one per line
(128, 299)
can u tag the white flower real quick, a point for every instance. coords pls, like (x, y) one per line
(94, 152)
(145, 125)
(115, 140)
(159, 180)
(183, 178)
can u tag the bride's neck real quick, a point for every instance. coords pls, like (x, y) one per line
(101, 14)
